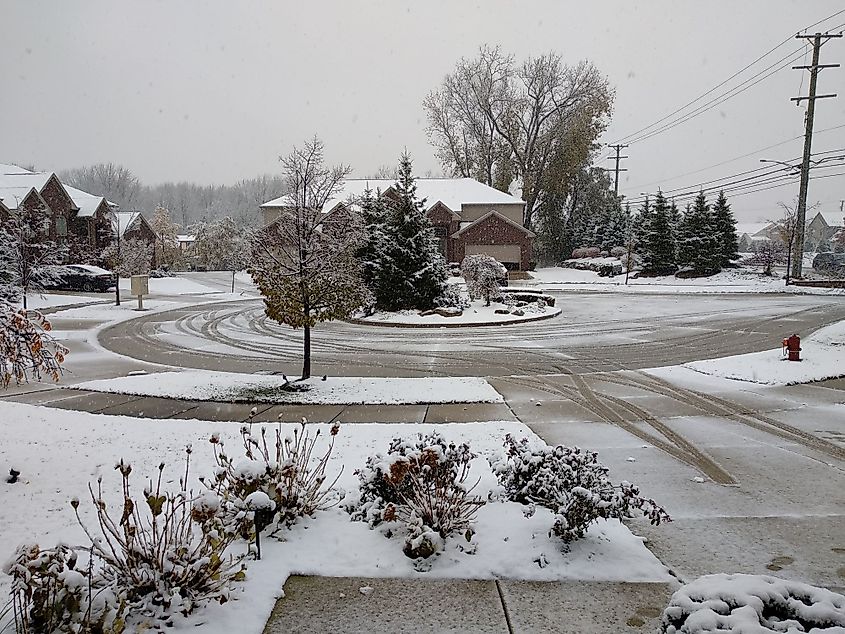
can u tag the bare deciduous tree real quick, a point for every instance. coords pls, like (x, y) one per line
(114, 182)
(496, 120)
(167, 249)
(304, 263)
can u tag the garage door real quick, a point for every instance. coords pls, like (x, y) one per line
(505, 253)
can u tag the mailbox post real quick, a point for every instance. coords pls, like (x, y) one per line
(140, 286)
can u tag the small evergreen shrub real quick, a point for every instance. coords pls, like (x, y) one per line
(452, 297)
(572, 484)
(618, 252)
(421, 485)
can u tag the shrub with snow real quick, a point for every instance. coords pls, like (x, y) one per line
(421, 485)
(483, 275)
(50, 593)
(290, 471)
(761, 604)
(453, 297)
(618, 252)
(571, 483)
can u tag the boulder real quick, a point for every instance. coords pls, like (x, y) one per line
(449, 311)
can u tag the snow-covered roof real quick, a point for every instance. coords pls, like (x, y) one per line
(8, 168)
(12, 196)
(833, 219)
(123, 220)
(751, 228)
(86, 202)
(452, 192)
(24, 179)
(186, 238)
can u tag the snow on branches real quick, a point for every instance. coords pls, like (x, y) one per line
(483, 274)
(26, 348)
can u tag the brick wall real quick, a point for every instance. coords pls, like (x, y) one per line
(494, 230)
(61, 205)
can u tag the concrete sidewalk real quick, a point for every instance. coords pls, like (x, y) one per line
(186, 409)
(394, 606)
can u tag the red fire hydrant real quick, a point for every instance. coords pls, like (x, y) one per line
(792, 348)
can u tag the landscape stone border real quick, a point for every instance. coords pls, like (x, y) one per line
(482, 324)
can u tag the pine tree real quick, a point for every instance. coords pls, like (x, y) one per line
(372, 253)
(698, 243)
(725, 223)
(657, 246)
(616, 228)
(414, 274)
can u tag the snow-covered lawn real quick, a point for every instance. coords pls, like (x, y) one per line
(54, 300)
(227, 386)
(59, 452)
(172, 286)
(823, 355)
(739, 280)
(476, 313)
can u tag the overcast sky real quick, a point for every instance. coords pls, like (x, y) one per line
(214, 91)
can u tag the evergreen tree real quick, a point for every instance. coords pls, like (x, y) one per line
(657, 246)
(372, 253)
(414, 271)
(698, 242)
(725, 223)
(616, 228)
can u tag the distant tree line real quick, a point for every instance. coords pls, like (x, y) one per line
(188, 203)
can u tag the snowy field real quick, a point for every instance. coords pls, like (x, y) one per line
(55, 300)
(59, 452)
(172, 286)
(728, 281)
(822, 354)
(225, 386)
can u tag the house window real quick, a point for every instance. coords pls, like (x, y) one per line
(61, 227)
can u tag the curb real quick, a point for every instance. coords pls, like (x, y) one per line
(482, 324)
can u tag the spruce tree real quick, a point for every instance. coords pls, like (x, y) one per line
(698, 243)
(657, 246)
(616, 228)
(414, 272)
(372, 253)
(725, 223)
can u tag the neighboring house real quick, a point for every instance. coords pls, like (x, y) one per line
(820, 231)
(131, 225)
(751, 233)
(186, 242)
(17, 183)
(74, 214)
(468, 217)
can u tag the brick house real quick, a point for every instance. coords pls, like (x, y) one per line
(75, 216)
(820, 231)
(131, 225)
(468, 216)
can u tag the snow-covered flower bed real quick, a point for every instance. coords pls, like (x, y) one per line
(475, 314)
(59, 452)
(822, 357)
(230, 386)
(751, 604)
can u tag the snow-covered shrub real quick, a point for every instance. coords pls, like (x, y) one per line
(26, 348)
(131, 257)
(630, 262)
(50, 593)
(483, 275)
(452, 297)
(618, 252)
(167, 555)
(571, 483)
(752, 603)
(283, 470)
(422, 485)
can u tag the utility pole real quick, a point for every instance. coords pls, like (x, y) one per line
(817, 40)
(618, 147)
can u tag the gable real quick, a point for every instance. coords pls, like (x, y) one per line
(492, 219)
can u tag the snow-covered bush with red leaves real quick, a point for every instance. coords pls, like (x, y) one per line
(27, 351)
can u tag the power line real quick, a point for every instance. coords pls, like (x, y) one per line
(731, 160)
(736, 74)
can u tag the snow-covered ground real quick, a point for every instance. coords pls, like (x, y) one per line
(225, 386)
(728, 281)
(822, 354)
(54, 300)
(59, 452)
(476, 313)
(178, 285)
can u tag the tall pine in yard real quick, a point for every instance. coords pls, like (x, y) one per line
(414, 272)
(698, 242)
(657, 246)
(372, 252)
(725, 225)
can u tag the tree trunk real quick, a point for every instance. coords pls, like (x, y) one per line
(24, 299)
(306, 353)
